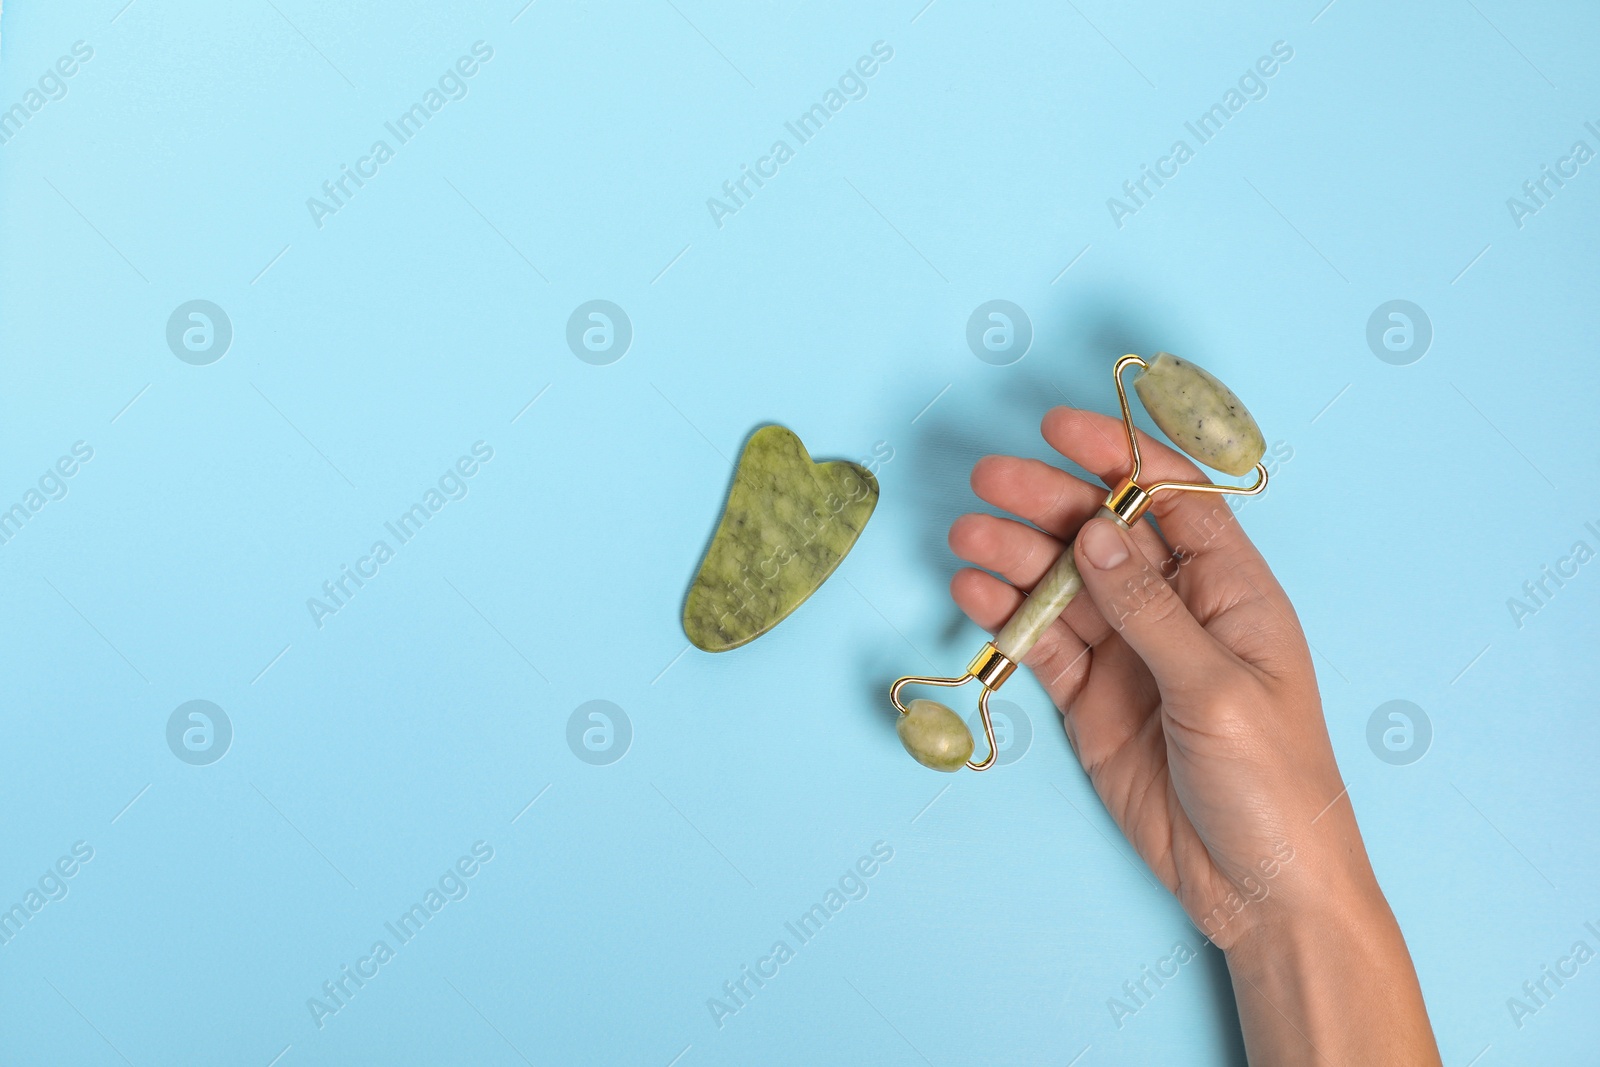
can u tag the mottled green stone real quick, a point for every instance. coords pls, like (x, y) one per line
(935, 735)
(788, 524)
(1045, 603)
(1200, 414)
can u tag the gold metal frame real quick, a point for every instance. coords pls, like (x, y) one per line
(1128, 502)
(991, 669)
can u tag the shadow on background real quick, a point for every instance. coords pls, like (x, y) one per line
(992, 410)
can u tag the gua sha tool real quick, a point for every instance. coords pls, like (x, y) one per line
(788, 524)
(1202, 417)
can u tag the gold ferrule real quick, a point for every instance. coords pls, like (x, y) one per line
(990, 667)
(1128, 502)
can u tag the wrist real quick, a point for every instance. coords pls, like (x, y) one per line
(1309, 921)
(1324, 884)
(1328, 979)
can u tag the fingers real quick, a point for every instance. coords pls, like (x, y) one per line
(1046, 496)
(1201, 523)
(1021, 555)
(1018, 553)
(1136, 601)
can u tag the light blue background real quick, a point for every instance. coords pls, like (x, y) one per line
(371, 353)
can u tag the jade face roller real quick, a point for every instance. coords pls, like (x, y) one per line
(1202, 417)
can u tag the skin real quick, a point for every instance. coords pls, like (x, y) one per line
(1188, 694)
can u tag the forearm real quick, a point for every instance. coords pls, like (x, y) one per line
(1331, 983)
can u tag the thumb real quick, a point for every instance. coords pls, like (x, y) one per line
(1142, 607)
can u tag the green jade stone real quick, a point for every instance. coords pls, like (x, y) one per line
(788, 524)
(935, 735)
(1044, 604)
(1200, 414)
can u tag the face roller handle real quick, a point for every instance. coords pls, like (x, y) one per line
(1044, 604)
(1201, 416)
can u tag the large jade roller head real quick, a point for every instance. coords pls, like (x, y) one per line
(1202, 417)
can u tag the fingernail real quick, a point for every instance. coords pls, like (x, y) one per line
(1102, 547)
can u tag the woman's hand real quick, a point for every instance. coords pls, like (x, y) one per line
(1188, 694)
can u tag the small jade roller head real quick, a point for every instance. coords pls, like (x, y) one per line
(1203, 418)
(935, 735)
